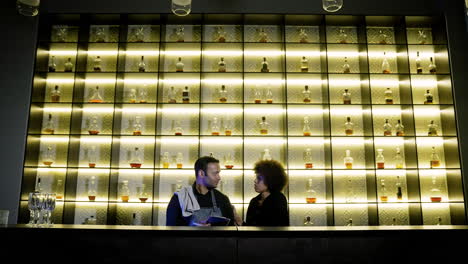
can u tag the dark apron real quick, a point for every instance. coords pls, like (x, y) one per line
(204, 213)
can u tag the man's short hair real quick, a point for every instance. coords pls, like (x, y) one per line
(202, 164)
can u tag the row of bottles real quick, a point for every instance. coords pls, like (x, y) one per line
(304, 65)
(260, 95)
(225, 127)
(99, 34)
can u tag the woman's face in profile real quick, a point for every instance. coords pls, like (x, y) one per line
(259, 184)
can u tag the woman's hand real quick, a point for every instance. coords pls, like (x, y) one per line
(237, 219)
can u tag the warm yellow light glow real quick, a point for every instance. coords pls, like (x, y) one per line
(148, 172)
(344, 141)
(305, 207)
(303, 82)
(264, 141)
(94, 171)
(57, 109)
(180, 81)
(387, 82)
(181, 53)
(177, 173)
(100, 110)
(425, 83)
(54, 139)
(306, 53)
(302, 111)
(99, 81)
(102, 52)
(430, 173)
(179, 140)
(138, 110)
(264, 82)
(180, 110)
(346, 82)
(221, 141)
(141, 52)
(220, 81)
(70, 80)
(139, 81)
(264, 111)
(103, 140)
(222, 53)
(221, 111)
(263, 53)
(51, 170)
(388, 111)
(305, 142)
(137, 140)
(62, 53)
(348, 110)
(297, 174)
(389, 141)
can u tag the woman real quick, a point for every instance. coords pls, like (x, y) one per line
(270, 207)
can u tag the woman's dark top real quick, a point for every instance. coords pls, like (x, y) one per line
(273, 211)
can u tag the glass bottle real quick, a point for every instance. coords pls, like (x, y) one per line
(349, 127)
(387, 127)
(92, 188)
(180, 34)
(399, 162)
(383, 191)
(222, 65)
(399, 129)
(308, 159)
(143, 94)
(383, 38)
(303, 38)
(385, 64)
(342, 37)
(346, 97)
(380, 160)
(223, 94)
(139, 34)
(348, 160)
(258, 95)
(92, 157)
(142, 65)
(180, 160)
(306, 127)
(136, 160)
(308, 221)
(399, 192)
(52, 64)
(48, 157)
(435, 160)
(100, 34)
(432, 129)
(228, 125)
(432, 67)
(439, 220)
(38, 187)
(96, 96)
(263, 36)
(178, 129)
(346, 67)
(350, 222)
(142, 193)
(264, 66)
(269, 95)
(186, 95)
(132, 96)
(55, 95)
(221, 34)
(165, 160)
(388, 96)
(266, 154)
(422, 37)
(215, 127)
(68, 65)
(124, 192)
(419, 69)
(311, 194)
(134, 220)
(306, 94)
(264, 126)
(59, 189)
(137, 126)
(97, 67)
(436, 194)
(179, 65)
(61, 34)
(49, 127)
(428, 97)
(229, 163)
(93, 128)
(171, 96)
(304, 64)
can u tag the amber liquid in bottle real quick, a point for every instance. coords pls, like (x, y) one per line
(311, 200)
(48, 163)
(309, 165)
(380, 165)
(215, 133)
(143, 200)
(137, 133)
(179, 165)
(135, 165)
(384, 198)
(165, 165)
(435, 163)
(125, 198)
(93, 132)
(229, 166)
(92, 165)
(228, 132)
(436, 199)
(92, 198)
(349, 165)
(348, 132)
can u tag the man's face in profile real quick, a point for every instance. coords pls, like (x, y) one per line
(212, 176)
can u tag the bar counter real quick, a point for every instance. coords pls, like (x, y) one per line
(137, 244)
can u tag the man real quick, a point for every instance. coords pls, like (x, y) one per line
(193, 205)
